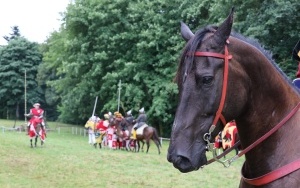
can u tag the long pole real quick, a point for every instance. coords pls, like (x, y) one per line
(95, 106)
(25, 97)
(119, 95)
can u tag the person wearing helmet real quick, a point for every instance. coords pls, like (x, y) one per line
(140, 121)
(129, 117)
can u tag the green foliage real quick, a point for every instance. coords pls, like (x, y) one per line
(138, 42)
(16, 57)
(274, 24)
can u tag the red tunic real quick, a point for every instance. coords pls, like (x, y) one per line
(36, 116)
(102, 125)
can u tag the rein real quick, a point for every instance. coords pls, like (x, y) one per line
(262, 180)
(280, 172)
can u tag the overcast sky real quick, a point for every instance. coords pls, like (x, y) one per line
(36, 18)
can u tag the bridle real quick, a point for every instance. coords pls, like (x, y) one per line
(262, 180)
(219, 115)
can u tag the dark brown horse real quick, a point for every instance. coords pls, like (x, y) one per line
(149, 133)
(224, 76)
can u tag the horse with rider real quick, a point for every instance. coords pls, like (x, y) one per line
(131, 131)
(36, 125)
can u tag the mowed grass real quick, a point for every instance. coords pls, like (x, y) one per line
(67, 160)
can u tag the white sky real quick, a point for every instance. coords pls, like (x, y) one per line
(36, 18)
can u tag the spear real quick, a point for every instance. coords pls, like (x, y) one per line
(119, 95)
(25, 98)
(95, 106)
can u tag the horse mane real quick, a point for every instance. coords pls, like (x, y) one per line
(192, 46)
(268, 54)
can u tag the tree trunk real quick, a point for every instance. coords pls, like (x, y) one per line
(17, 114)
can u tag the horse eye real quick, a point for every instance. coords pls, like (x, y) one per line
(207, 80)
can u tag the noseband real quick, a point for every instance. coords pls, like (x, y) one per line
(262, 180)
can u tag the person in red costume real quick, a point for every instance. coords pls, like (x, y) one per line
(36, 115)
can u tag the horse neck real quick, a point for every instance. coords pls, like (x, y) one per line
(270, 99)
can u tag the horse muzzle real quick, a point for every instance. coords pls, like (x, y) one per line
(184, 163)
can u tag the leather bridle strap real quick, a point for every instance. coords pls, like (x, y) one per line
(274, 175)
(226, 58)
(265, 136)
(280, 172)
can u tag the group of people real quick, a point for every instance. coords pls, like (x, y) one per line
(103, 131)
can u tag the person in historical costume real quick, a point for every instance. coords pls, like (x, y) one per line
(218, 140)
(129, 117)
(296, 56)
(140, 121)
(229, 134)
(111, 131)
(37, 117)
(102, 128)
(91, 127)
(119, 117)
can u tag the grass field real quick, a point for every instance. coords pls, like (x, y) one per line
(67, 160)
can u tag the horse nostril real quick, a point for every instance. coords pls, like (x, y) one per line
(177, 159)
(182, 159)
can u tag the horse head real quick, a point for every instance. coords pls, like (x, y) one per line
(200, 82)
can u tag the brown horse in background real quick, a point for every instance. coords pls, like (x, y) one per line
(224, 76)
(149, 133)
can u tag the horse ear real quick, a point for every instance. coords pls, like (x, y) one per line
(186, 33)
(223, 32)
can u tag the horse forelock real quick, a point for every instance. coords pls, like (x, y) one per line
(186, 61)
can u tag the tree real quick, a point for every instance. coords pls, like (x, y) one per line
(16, 57)
(138, 42)
(105, 42)
(15, 34)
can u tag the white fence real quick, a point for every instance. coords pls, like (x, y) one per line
(71, 130)
(10, 129)
(161, 139)
(83, 132)
(67, 130)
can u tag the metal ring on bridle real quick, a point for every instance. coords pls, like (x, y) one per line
(207, 137)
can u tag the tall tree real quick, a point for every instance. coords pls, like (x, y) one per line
(272, 23)
(15, 33)
(138, 42)
(16, 57)
(110, 41)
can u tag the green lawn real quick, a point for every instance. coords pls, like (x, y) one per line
(68, 160)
